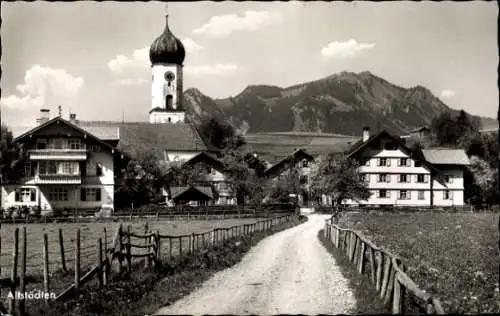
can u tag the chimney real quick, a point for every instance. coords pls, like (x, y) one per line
(72, 118)
(366, 133)
(44, 116)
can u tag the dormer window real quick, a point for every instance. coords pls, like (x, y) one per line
(41, 143)
(74, 143)
(305, 163)
(390, 146)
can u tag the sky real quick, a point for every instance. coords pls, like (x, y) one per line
(92, 57)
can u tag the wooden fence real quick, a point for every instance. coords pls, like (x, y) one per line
(386, 270)
(150, 246)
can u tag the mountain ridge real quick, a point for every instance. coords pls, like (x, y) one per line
(338, 103)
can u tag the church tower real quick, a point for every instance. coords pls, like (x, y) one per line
(167, 56)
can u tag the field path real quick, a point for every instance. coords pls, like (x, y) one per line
(289, 272)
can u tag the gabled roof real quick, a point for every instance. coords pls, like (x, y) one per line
(358, 146)
(177, 193)
(206, 158)
(443, 156)
(59, 120)
(293, 157)
(138, 137)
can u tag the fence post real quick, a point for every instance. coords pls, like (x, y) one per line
(77, 261)
(147, 260)
(170, 248)
(192, 243)
(387, 270)
(379, 260)
(129, 250)
(361, 256)
(22, 284)
(105, 242)
(61, 248)
(372, 263)
(396, 302)
(158, 245)
(12, 302)
(99, 263)
(180, 246)
(46, 285)
(390, 286)
(119, 235)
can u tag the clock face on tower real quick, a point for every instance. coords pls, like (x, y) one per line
(169, 76)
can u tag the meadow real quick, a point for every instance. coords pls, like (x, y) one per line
(89, 233)
(453, 255)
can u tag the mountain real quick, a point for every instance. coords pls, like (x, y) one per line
(341, 103)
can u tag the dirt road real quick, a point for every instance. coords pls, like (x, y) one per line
(287, 273)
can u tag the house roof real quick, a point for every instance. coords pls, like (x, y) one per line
(177, 193)
(295, 156)
(207, 158)
(24, 132)
(443, 156)
(138, 137)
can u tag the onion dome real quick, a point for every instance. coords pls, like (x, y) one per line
(167, 49)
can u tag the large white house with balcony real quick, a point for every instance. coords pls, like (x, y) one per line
(396, 175)
(62, 166)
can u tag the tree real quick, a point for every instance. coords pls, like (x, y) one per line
(454, 130)
(286, 184)
(244, 181)
(339, 178)
(221, 135)
(10, 156)
(482, 188)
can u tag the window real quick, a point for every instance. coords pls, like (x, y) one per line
(383, 162)
(28, 169)
(403, 162)
(365, 162)
(25, 195)
(390, 146)
(383, 177)
(446, 195)
(74, 143)
(169, 119)
(41, 143)
(95, 148)
(305, 163)
(365, 177)
(303, 180)
(98, 169)
(48, 167)
(404, 195)
(58, 194)
(57, 143)
(90, 194)
(448, 179)
(421, 195)
(213, 171)
(420, 178)
(68, 167)
(383, 194)
(403, 178)
(169, 101)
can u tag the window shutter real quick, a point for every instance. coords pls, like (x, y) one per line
(83, 196)
(17, 197)
(450, 179)
(408, 195)
(32, 170)
(33, 195)
(388, 194)
(388, 162)
(83, 169)
(378, 193)
(98, 194)
(426, 178)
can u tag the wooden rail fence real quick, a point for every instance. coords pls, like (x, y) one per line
(150, 246)
(386, 270)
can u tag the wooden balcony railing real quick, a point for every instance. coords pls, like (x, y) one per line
(58, 179)
(61, 154)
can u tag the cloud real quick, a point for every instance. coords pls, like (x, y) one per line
(122, 64)
(219, 69)
(348, 49)
(224, 25)
(191, 46)
(447, 94)
(42, 87)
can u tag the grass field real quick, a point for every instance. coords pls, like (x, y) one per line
(454, 255)
(89, 233)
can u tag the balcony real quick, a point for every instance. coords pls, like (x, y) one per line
(58, 154)
(58, 179)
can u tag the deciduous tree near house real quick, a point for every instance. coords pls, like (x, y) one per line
(220, 134)
(286, 184)
(339, 178)
(244, 181)
(454, 130)
(10, 155)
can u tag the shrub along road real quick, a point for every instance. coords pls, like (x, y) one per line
(289, 272)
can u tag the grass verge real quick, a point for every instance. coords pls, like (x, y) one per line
(367, 300)
(451, 255)
(148, 289)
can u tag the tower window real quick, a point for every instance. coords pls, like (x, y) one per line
(169, 101)
(169, 119)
